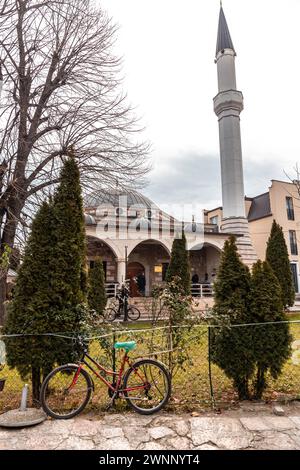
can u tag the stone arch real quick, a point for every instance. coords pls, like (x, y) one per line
(97, 247)
(205, 261)
(154, 255)
(135, 243)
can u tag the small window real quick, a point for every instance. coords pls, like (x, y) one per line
(290, 208)
(293, 242)
(295, 276)
(214, 220)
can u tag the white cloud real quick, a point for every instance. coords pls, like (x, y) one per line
(170, 76)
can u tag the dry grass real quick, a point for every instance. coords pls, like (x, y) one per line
(191, 386)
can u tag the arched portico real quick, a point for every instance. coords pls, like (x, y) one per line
(204, 262)
(154, 257)
(100, 248)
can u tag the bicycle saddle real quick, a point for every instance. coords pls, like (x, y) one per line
(127, 345)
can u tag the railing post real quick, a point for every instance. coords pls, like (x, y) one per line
(209, 370)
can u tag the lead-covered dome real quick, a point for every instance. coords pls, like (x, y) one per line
(117, 197)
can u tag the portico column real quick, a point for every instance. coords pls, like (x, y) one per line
(121, 273)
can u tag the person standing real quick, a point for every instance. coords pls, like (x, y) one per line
(141, 283)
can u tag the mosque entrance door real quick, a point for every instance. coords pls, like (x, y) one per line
(133, 271)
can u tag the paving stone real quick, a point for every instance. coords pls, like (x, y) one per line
(181, 427)
(278, 411)
(84, 427)
(52, 426)
(76, 443)
(110, 432)
(255, 424)
(136, 435)
(43, 442)
(4, 434)
(205, 447)
(160, 431)
(279, 422)
(227, 433)
(295, 419)
(153, 446)
(116, 443)
(178, 443)
(10, 445)
(294, 434)
(276, 441)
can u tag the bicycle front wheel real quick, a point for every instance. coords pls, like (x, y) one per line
(133, 313)
(147, 386)
(65, 392)
(111, 314)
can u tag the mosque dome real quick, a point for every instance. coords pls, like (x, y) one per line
(116, 197)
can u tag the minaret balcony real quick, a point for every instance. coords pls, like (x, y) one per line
(230, 100)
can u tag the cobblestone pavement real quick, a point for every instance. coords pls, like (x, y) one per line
(242, 429)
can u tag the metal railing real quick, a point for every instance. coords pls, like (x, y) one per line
(202, 290)
(197, 290)
(111, 289)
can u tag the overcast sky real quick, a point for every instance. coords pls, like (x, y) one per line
(168, 49)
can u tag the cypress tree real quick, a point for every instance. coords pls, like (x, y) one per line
(51, 285)
(278, 258)
(271, 343)
(27, 313)
(179, 265)
(231, 347)
(69, 244)
(96, 287)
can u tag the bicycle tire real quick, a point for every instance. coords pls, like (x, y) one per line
(166, 374)
(111, 314)
(43, 393)
(133, 313)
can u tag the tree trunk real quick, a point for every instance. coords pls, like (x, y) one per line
(7, 239)
(260, 382)
(36, 384)
(243, 389)
(3, 293)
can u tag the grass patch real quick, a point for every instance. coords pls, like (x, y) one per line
(190, 387)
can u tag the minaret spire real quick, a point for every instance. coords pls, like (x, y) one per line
(224, 40)
(228, 104)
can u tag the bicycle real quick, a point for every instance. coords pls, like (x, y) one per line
(145, 384)
(132, 313)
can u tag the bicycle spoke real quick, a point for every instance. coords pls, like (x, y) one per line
(66, 391)
(153, 386)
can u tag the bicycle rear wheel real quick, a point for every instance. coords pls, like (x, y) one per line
(133, 313)
(65, 393)
(111, 314)
(149, 385)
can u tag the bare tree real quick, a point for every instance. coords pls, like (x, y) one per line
(61, 88)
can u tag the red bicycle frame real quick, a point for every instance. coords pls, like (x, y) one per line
(115, 386)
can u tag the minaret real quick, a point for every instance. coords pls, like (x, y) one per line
(228, 104)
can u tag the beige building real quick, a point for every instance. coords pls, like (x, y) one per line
(281, 203)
